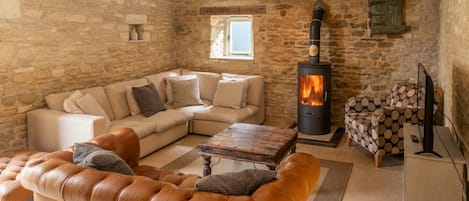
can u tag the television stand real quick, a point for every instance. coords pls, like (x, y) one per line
(430, 178)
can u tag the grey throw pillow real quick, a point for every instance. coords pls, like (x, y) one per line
(148, 100)
(82, 150)
(107, 161)
(238, 183)
(100, 159)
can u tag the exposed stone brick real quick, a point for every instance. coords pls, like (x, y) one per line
(44, 50)
(454, 64)
(360, 64)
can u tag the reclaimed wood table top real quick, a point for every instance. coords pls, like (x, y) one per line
(253, 143)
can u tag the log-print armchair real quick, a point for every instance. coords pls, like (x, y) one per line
(376, 123)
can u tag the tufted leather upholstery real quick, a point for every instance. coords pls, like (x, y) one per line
(11, 164)
(54, 177)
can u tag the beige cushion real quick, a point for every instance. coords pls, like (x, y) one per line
(207, 83)
(70, 103)
(185, 92)
(169, 88)
(161, 121)
(133, 106)
(101, 97)
(230, 93)
(141, 128)
(255, 95)
(159, 82)
(228, 115)
(117, 96)
(89, 105)
(56, 101)
(190, 110)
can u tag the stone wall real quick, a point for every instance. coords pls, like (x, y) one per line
(454, 64)
(360, 64)
(51, 46)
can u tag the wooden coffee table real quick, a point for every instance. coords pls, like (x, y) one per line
(251, 143)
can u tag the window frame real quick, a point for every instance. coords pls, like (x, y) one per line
(228, 42)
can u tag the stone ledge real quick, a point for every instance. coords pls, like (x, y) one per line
(10, 9)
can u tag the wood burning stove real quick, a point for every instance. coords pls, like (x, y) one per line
(314, 83)
(314, 105)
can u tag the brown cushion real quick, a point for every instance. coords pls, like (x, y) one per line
(237, 183)
(148, 100)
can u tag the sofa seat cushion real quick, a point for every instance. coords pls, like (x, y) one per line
(228, 115)
(142, 128)
(161, 121)
(191, 109)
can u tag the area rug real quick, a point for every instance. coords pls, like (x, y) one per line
(331, 187)
(331, 139)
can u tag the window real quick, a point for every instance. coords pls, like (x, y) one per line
(231, 37)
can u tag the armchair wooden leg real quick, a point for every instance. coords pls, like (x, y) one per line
(349, 141)
(378, 159)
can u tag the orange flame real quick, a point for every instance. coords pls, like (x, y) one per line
(311, 90)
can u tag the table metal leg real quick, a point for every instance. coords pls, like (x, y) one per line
(207, 168)
(293, 150)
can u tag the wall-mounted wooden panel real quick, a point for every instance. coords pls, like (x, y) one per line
(385, 17)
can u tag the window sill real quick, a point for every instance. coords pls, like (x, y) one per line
(243, 58)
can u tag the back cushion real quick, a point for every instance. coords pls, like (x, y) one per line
(117, 96)
(404, 95)
(255, 87)
(55, 101)
(207, 83)
(100, 96)
(159, 82)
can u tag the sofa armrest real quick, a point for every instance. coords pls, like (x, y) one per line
(297, 177)
(364, 104)
(387, 128)
(50, 130)
(56, 179)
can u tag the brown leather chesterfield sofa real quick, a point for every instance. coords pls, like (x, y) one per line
(55, 177)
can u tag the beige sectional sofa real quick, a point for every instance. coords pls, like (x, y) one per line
(53, 129)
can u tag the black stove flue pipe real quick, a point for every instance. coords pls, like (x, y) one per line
(315, 31)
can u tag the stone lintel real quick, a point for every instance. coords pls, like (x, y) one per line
(234, 10)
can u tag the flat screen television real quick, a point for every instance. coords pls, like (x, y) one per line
(426, 100)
